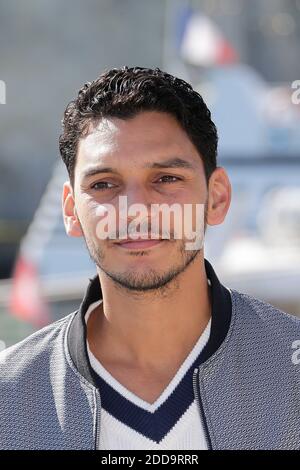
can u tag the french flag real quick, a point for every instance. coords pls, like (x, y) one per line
(200, 41)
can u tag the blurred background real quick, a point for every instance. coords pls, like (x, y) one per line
(242, 56)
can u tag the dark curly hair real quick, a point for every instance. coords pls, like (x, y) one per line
(125, 92)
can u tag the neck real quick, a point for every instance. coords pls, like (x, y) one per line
(151, 330)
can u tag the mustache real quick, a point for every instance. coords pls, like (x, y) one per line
(142, 229)
(142, 234)
(145, 228)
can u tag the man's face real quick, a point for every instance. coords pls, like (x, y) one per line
(133, 152)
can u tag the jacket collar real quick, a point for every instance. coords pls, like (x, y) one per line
(220, 321)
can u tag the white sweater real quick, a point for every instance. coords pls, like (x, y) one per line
(171, 422)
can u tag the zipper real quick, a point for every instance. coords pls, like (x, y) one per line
(98, 419)
(197, 394)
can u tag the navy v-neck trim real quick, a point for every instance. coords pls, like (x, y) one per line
(153, 425)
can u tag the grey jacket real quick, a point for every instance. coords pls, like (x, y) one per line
(247, 386)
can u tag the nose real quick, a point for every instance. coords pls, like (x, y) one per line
(135, 203)
(137, 194)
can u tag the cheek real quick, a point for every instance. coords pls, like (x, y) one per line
(88, 208)
(193, 192)
(87, 215)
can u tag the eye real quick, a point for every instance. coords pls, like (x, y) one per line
(102, 185)
(170, 179)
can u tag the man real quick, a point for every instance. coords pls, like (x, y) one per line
(160, 355)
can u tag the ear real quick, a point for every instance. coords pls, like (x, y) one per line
(71, 220)
(219, 196)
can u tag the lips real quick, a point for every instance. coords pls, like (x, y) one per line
(140, 243)
(131, 240)
(143, 237)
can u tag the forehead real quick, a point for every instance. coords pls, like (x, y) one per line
(130, 142)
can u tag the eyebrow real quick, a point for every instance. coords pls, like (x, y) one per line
(170, 163)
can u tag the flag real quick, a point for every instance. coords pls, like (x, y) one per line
(201, 43)
(26, 301)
